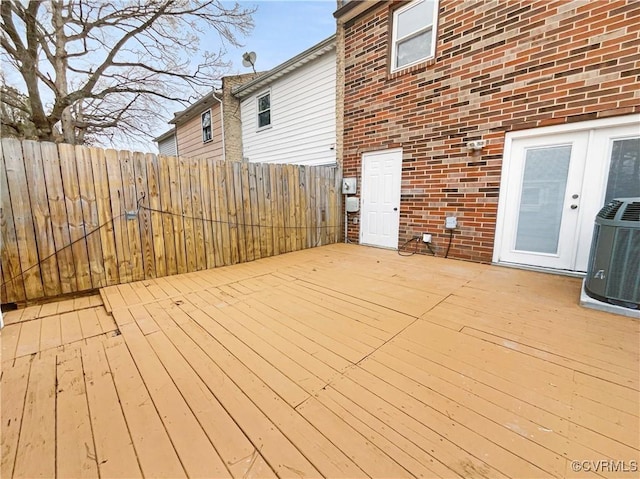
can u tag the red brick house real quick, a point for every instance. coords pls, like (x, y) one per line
(519, 118)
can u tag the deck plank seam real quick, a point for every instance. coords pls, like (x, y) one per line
(124, 416)
(126, 345)
(24, 408)
(553, 354)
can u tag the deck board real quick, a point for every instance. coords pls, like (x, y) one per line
(75, 449)
(115, 454)
(339, 361)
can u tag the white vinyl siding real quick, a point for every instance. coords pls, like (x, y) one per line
(303, 121)
(167, 147)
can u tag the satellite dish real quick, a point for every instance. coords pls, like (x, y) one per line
(249, 60)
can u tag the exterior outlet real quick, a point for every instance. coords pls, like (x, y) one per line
(451, 222)
(426, 238)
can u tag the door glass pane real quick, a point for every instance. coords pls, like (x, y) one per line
(542, 199)
(624, 172)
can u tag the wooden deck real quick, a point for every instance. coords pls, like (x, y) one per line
(339, 361)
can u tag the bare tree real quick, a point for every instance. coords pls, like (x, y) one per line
(91, 67)
(15, 115)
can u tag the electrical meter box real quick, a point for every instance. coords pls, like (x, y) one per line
(352, 204)
(349, 186)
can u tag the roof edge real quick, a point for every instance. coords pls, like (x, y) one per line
(165, 135)
(189, 112)
(289, 65)
(353, 8)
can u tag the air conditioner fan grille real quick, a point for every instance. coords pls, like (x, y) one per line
(632, 212)
(608, 211)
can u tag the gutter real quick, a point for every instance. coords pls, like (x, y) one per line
(192, 110)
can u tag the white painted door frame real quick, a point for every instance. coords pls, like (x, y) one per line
(380, 191)
(593, 179)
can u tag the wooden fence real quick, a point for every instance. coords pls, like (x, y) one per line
(77, 218)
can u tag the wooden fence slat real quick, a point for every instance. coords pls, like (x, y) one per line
(22, 219)
(311, 201)
(196, 212)
(144, 216)
(255, 205)
(273, 204)
(237, 199)
(104, 212)
(258, 175)
(264, 193)
(290, 207)
(177, 212)
(246, 210)
(223, 213)
(187, 211)
(304, 205)
(74, 215)
(168, 225)
(301, 205)
(280, 199)
(131, 221)
(41, 218)
(335, 200)
(233, 216)
(123, 256)
(153, 202)
(13, 285)
(216, 225)
(323, 209)
(208, 224)
(89, 206)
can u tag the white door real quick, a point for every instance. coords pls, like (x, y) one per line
(380, 214)
(554, 185)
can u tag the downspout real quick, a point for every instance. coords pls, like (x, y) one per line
(224, 149)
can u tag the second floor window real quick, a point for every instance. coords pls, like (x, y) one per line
(206, 126)
(414, 33)
(264, 110)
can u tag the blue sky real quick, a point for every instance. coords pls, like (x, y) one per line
(283, 29)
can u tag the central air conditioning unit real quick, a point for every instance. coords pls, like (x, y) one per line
(613, 275)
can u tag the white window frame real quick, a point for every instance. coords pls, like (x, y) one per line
(202, 127)
(261, 95)
(394, 40)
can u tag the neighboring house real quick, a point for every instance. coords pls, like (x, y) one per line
(209, 128)
(198, 129)
(288, 113)
(167, 145)
(550, 87)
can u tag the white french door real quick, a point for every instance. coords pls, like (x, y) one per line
(553, 185)
(381, 181)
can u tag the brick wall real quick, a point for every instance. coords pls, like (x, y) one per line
(231, 116)
(499, 66)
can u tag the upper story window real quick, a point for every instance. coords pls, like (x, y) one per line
(414, 33)
(264, 110)
(206, 126)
